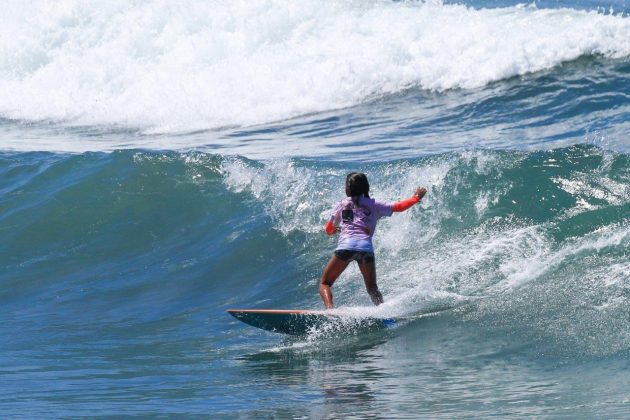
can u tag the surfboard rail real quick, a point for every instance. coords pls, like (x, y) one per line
(301, 321)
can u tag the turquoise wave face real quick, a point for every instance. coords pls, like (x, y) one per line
(121, 265)
(136, 235)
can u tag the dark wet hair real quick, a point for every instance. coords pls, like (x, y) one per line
(357, 185)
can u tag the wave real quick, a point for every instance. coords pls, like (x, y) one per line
(167, 67)
(533, 243)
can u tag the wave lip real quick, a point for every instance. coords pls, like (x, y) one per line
(167, 67)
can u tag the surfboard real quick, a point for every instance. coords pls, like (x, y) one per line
(300, 322)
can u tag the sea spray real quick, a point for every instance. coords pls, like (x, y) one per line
(169, 68)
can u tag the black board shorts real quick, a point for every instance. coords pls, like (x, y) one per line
(349, 255)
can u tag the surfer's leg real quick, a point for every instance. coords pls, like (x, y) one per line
(368, 269)
(332, 271)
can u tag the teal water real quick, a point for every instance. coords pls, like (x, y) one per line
(160, 164)
(117, 268)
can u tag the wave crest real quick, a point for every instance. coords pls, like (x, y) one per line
(172, 67)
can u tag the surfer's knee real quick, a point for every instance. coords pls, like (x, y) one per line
(328, 278)
(324, 281)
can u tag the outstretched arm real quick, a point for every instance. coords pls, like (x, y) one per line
(408, 203)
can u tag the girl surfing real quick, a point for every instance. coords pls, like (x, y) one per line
(354, 218)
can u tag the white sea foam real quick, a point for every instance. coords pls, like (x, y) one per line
(179, 66)
(545, 261)
(425, 262)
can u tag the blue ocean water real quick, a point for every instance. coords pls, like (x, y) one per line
(161, 162)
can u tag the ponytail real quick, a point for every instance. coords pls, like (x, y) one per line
(357, 185)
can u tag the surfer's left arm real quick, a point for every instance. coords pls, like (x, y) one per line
(330, 227)
(410, 202)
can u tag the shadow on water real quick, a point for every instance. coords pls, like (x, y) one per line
(341, 375)
(338, 373)
(296, 354)
(449, 363)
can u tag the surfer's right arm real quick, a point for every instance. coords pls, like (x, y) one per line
(408, 203)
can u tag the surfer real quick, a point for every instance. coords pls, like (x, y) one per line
(354, 218)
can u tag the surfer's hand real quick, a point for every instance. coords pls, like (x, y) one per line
(420, 192)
